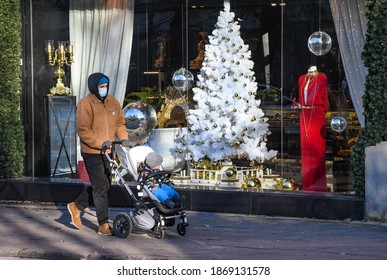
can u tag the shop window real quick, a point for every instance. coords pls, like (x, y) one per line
(173, 36)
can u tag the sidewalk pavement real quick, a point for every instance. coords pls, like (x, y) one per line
(43, 231)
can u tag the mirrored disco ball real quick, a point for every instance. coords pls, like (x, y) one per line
(182, 79)
(338, 124)
(140, 119)
(319, 43)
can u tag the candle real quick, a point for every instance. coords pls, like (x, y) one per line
(61, 48)
(49, 49)
(70, 48)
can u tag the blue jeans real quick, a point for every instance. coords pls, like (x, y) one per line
(164, 192)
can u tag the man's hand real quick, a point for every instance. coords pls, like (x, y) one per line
(106, 145)
(126, 143)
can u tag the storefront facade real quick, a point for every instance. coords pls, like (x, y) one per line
(169, 35)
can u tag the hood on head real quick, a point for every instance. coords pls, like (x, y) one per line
(93, 84)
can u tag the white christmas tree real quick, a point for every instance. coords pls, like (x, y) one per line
(227, 121)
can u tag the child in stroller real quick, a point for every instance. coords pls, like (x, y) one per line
(149, 213)
(161, 186)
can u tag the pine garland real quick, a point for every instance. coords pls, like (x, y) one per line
(12, 146)
(375, 96)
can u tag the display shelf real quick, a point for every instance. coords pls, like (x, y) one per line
(61, 142)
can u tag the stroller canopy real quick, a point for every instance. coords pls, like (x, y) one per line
(131, 158)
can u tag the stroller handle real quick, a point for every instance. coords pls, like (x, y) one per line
(120, 142)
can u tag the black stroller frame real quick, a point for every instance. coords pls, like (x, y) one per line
(147, 215)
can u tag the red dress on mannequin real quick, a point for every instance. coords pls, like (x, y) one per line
(313, 97)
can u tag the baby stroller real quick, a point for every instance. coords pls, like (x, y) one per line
(148, 213)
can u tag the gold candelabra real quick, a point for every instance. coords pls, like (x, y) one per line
(62, 55)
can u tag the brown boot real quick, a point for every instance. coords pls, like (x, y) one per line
(75, 215)
(104, 229)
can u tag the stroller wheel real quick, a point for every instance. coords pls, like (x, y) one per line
(122, 225)
(158, 232)
(181, 229)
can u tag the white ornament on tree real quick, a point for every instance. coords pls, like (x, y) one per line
(227, 121)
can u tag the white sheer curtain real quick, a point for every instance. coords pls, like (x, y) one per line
(350, 25)
(102, 32)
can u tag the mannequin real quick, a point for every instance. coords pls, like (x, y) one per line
(314, 103)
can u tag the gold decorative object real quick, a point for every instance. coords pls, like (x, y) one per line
(236, 143)
(197, 62)
(164, 114)
(251, 182)
(289, 184)
(256, 165)
(203, 164)
(173, 99)
(231, 173)
(62, 55)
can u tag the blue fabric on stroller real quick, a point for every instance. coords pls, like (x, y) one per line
(160, 185)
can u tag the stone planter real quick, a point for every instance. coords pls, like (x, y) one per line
(376, 182)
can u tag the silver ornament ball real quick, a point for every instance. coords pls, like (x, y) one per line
(319, 43)
(338, 124)
(140, 119)
(183, 79)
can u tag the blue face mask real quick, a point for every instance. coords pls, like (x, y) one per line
(102, 92)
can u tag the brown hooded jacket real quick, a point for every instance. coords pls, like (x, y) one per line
(99, 119)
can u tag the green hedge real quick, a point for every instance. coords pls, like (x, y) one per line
(375, 95)
(12, 145)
